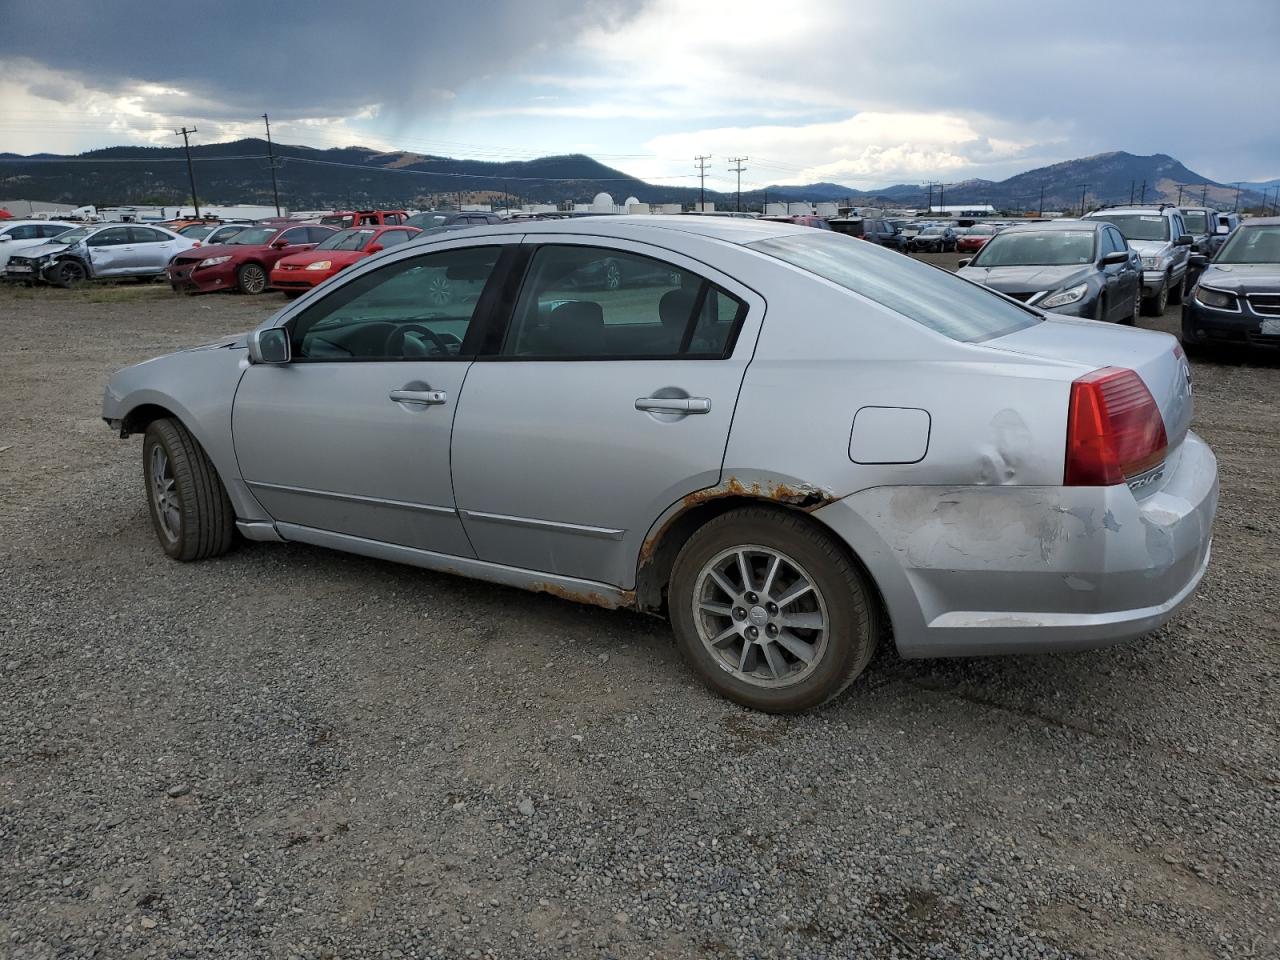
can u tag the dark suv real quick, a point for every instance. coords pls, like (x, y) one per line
(883, 232)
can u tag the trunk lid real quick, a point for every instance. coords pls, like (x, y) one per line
(1155, 357)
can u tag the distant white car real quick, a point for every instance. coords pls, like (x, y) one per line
(17, 235)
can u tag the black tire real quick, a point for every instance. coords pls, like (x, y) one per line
(68, 273)
(1178, 293)
(851, 605)
(1155, 306)
(292, 294)
(1131, 319)
(251, 278)
(203, 516)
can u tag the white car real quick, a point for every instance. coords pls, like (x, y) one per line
(106, 251)
(17, 235)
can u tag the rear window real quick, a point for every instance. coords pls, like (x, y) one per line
(934, 298)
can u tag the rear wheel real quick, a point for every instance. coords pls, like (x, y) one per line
(1132, 318)
(251, 279)
(770, 612)
(192, 517)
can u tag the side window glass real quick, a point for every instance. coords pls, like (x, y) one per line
(28, 231)
(145, 235)
(51, 230)
(717, 324)
(415, 309)
(317, 235)
(1118, 242)
(115, 236)
(391, 237)
(595, 303)
(298, 235)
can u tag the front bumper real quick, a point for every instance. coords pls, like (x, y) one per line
(298, 279)
(968, 571)
(202, 280)
(1204, 325)
(1152, 282)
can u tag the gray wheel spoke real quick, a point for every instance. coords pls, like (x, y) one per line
(744, 569)
(773, 657)
(719, 609)
(802, 621)
(800, 649)
(794, 592)
(725, 635)
(767, 589)
(747, 663)
(729, 589)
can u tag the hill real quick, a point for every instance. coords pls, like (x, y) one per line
(358, 176)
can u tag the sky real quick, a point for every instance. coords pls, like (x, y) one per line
(860, 92)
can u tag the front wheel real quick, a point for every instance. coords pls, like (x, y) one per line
(68, 273)
(770, 611)
(1155, 306)
(190, 511)
(251, 279)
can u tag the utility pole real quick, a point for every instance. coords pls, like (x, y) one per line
(1204, 194)
(271, 159)
(1132, 184)
(1042, 199)
(1144, 192)
(702, 181)
(191, 173)
(1084, 191)
(942, 198)
(929, 206)
(1179, 194)
(1237, 203)
(738, 170)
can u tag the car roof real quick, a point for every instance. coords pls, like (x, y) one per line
(1094, 225)
(1146, 211)
(647, 227)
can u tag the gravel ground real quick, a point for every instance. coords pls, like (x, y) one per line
(290, 752)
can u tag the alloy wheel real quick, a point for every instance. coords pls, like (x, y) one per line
(253, 279)
(761, 616)
(164, 494)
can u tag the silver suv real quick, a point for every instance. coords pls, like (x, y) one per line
(1160, 236)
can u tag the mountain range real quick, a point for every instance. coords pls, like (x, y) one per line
(239, 172)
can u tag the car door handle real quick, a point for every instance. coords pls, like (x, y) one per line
(424, 397)
(674, 404)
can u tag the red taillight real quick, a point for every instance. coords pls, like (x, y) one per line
(1114, 429)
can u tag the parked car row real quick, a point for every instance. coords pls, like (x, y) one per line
(98, 252)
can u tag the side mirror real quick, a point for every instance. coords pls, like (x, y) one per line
(1183, 241)
(5, 239)
(269, 346)
(964, 263)
(279, 244)
(373, 248)
(1199, 260)
(1115, 258)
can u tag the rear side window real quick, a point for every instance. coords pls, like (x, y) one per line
(931, 297)
(593, 303)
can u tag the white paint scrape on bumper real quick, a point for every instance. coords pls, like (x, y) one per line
(1004, 569)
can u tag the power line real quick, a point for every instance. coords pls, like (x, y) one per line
(191, 171)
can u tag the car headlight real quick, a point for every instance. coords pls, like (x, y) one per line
(1217, 299)
(212, 262)
(1153, 263)
(320, 265)
(1070, 295)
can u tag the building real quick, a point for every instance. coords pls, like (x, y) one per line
(963, 210)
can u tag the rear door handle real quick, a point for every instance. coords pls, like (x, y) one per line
(424, 397)
(674, 404)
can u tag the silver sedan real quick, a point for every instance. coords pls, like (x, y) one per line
(792, 443)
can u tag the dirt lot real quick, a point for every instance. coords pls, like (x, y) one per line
(290, 752)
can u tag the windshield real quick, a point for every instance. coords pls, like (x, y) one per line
(1196, 220)
(339, 221)
(1042, 248)
(934, 298)
(254, 236)
(346, 240)
(1140, 226)
(73, 236)
(196, 232)
(427, 220)
(1247, 245)
(980, 231)
(932, 231)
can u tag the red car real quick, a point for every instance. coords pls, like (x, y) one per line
(364, 218)
(975, 238)
(299, 273)
(244, 262)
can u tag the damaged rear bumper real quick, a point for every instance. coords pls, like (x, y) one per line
(1002, 569)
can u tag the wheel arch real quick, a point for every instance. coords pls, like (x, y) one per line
(666, 537)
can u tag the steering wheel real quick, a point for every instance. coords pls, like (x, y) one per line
(394, 345)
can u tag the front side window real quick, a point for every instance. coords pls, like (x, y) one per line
(593, 303)
(931, 297)
(28, 231)
(415, 309)
(111, 237)
(293, 237)
(147, 235)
